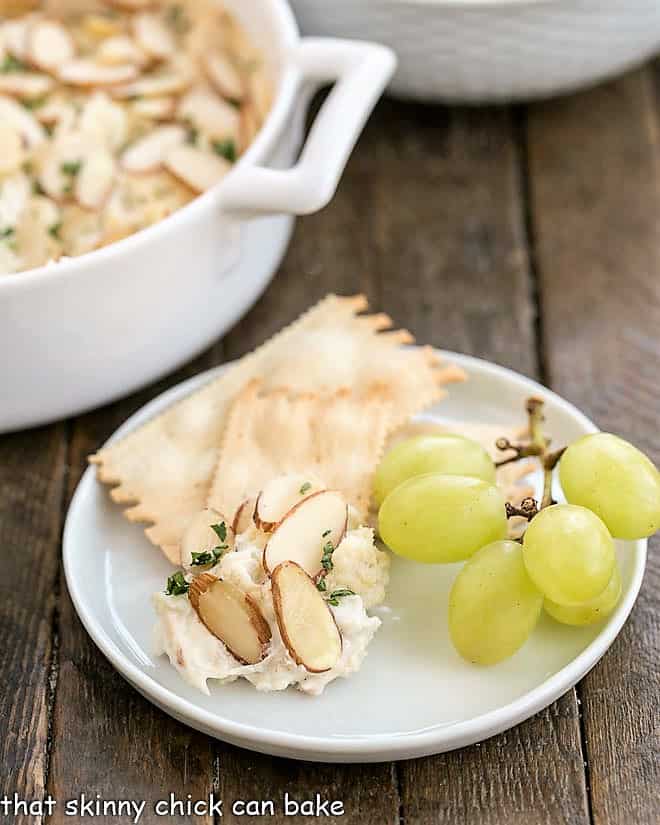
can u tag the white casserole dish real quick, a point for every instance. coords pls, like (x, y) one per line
(87, 330)
(494, 50)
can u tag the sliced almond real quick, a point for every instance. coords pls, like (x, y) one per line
(209, 113)
(306, 624)
(87, 73)
(14, 37)
(81, 230)
(15, 191)
(155, 108)
(61, 163)
(249, 124)
(148, 153)
(156, 85)
(25, 85)
(152, 36)
(223, 76)
(200, 537)
(306, 529)
(34, 231)
(11, 149)
(95, 179)
(121, 49)
(23, 121)
(104, 120)
(52, 112)
(260, 93)
(243, 516)
(197, 169)
(100, 26)
(279, 496)
(49, 45)
(232, 616)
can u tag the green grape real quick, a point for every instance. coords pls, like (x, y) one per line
(442, 453)
(438, 518)
(615, 480)
(493, 604)
(589, 612)
(568, 554)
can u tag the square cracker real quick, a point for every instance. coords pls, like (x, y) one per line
(165, 468)
(338, 439)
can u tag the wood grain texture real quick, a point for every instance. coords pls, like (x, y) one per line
(32, 478)
(368, 793)
(107, 739)
(595, 173)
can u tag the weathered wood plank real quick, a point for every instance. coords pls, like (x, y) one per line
(32, 478)
(107, 739)
(595, 172)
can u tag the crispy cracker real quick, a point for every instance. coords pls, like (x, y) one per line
(338, 439)
(165, 468)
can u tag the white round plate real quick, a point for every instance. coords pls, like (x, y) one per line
(414, 695)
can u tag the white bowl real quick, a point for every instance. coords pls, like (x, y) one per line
(494, 50)
(83, 332)
(414, 695)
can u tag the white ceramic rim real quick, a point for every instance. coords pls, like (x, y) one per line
(456, 4)
(258, 149)
(372, 747)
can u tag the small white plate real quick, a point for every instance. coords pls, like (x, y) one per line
(414, 695)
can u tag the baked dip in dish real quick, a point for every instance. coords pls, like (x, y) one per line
(114, 115)
(222, 144)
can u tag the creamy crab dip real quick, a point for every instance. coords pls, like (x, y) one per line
(355, 579)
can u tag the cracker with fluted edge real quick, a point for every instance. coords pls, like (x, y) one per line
(164, 469)
(338, 439)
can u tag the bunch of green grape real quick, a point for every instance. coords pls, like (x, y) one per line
(439, 503)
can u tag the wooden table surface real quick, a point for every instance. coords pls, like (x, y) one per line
(525, 235)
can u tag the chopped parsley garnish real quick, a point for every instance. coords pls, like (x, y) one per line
(192, 135)
(11, 64)
(54, 230)
(225, 148)
(177, 19)
(7, 232)
(177, 585)
(305, 487)
(208, 556)
(327, 533)
(321, 585)
(34, 104)
(220, 530)
(71, 167)
(339, 594)
(326, 559)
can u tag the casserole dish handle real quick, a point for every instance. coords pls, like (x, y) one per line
(360, 72)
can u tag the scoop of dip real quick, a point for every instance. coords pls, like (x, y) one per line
(354, 577)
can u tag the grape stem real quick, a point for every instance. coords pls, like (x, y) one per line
(536, 447)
